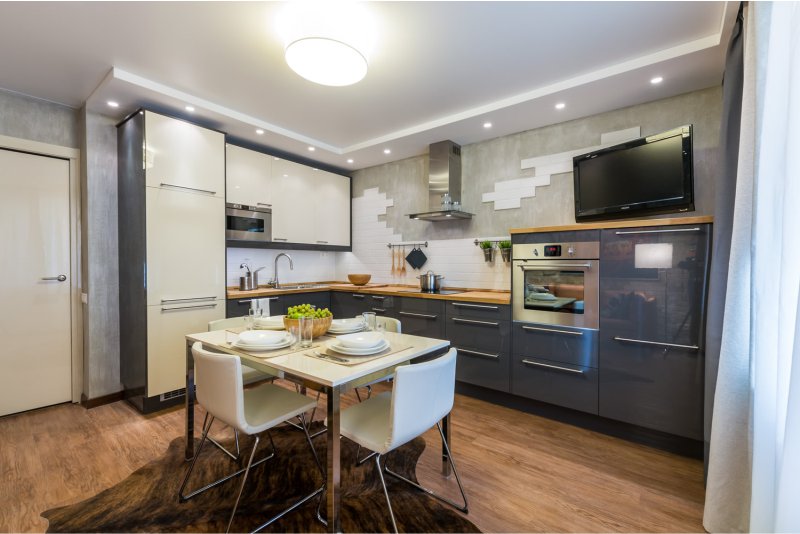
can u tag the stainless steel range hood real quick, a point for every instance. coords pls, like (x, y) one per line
(444, 177)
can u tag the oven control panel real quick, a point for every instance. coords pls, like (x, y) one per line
(588, 250)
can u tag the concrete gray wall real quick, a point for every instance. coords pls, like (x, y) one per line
(100, 266)
(498, 159)
(24, 117)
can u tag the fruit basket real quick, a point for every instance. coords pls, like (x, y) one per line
(320, 325)
(322, 318)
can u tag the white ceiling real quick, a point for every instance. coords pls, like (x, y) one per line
(439, 70)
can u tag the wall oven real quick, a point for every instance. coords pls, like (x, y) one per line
(556, 284)
(248, 223)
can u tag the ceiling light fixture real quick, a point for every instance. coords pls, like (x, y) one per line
(487, 125)
(561, 105)
(260, 131)
(112, 104)
(656, 80)
(327, 42)
(189, 108)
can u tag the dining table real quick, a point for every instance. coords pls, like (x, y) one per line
(317, 368)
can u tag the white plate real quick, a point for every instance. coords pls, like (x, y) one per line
(261, 337)
(349, 351)
(361, 340)
(347, 323)
(258, 348)
(358, 328)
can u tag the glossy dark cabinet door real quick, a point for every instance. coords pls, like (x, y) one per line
(421, 317)
(345, 305)
(482, 335)
(280, 303)
(652, 311)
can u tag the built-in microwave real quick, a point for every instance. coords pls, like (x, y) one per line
(248, 223)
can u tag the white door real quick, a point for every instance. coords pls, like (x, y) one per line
(331, 208)
(35, 321)
(248, 177)
(293, 203)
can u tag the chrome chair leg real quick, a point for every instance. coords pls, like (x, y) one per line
(241, 486)
(385, 491)
(206, 429)
(465, 507)
(234, 457)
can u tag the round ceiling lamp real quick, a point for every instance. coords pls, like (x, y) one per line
(326, 61)
(327, 42)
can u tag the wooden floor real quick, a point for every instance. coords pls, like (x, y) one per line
(522, 473)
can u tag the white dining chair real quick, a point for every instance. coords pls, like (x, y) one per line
(389, 324)
(249, 376)
(421, 397)
(220, 390)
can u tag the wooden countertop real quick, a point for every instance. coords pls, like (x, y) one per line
(630, 223)
(486, 296)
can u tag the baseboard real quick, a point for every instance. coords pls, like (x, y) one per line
(100, 401)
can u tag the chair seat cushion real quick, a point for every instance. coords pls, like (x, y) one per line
(368, 423)
(268, 405)
(250, 375)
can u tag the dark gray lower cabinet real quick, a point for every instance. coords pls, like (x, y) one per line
(280, 303)
(652, 312)
(421, 317)
(555, 364)
(348, 304)
(484, 348)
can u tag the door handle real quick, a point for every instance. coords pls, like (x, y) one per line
(656, 343)
(477, 353)
(470, 321)
(552, 330)
(665, 231)
(420, 315)
(189, 188)
(59, 278)
(474, 306)
(164, 309)
(553, 367)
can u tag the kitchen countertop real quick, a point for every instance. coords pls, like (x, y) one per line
(486, 296)
(630, 223)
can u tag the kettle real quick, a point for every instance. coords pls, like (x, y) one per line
(246, 281)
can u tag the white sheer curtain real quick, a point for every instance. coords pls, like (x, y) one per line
(754, 464)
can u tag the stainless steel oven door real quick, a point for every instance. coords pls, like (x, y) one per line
(557, 292)
(244, 223)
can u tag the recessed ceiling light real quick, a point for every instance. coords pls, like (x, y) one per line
(112, 104)
(487, 125)
(311, 149)
(561, 105)
(285, 175)
(276, 159)
(387, 151)
(657, 79)
(260, 131)
(189, 108)
(349, 161)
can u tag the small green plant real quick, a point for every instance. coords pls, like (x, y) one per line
(486, 244)
(504, 244)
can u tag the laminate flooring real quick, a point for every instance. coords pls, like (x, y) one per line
(523, 473)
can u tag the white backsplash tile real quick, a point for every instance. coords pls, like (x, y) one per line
(309, 266)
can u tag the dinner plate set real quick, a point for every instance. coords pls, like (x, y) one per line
(346, 326)
(359, 344)
(257, 340)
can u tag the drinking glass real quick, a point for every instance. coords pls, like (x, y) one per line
(253, 317)
(369, 321)
(306, 331)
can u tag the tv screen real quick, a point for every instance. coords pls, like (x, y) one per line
(649, 175)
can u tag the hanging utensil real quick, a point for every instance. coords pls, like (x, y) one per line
(403, 259)
(393, 256)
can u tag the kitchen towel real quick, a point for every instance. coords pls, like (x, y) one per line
(261, 304)
(416, 258)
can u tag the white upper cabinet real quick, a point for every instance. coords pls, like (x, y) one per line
(293, 218)
(331, 208)
(183, 156)
(248, 177)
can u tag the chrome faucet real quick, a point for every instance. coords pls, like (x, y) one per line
(291, 266)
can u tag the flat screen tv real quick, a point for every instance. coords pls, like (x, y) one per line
(645, 176)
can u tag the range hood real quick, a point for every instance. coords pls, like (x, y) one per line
(444, 177)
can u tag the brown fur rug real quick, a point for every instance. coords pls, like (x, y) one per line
(147, 501)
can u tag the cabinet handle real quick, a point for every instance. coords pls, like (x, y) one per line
(190, 299)
(379, 310)
(263, 204)
(60, 278)
(378, 297)
(551, 266)
(322, 242)
(189, 307)
(420, 315)
(470, 321)
(476, 353)
(554, 367)
(189, 188)
(664, 231)
(357, 296)
(279, 239)
(552, 330)
(474, 306)
(244, 301)
(656, 343)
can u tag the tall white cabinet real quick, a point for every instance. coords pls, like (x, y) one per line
(171, 250)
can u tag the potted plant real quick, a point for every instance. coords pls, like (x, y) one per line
(505, 250)
(488, 250)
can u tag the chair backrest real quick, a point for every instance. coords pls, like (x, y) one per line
(230, 322)
(422, 395)
(390, 324)
(219, 385)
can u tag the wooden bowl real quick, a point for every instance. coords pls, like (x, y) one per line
(359, 279)
(320, 325)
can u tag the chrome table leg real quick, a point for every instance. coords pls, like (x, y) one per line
(333, 476)
(189, 401)
(445, 430)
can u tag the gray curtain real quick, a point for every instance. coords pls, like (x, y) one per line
(725, 193)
